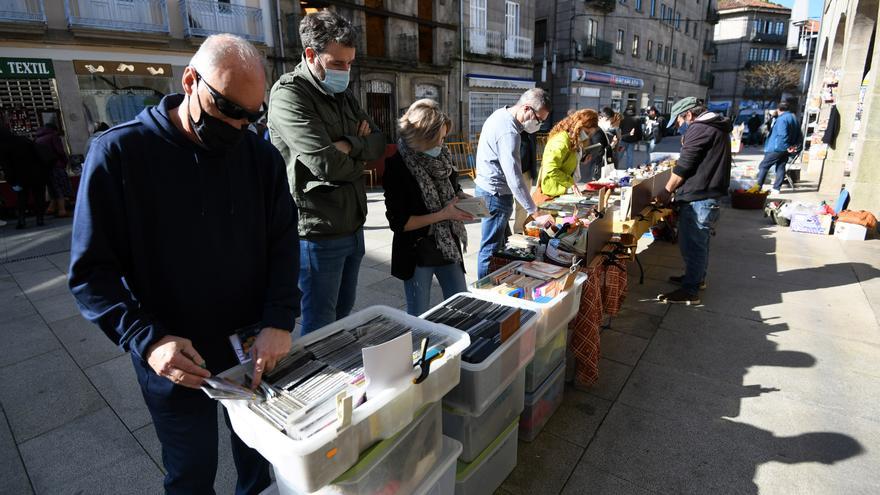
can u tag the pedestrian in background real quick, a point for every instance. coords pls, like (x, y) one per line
(52, 152)
(185, 232)
(655, 124)
(499, 169)
(421, 190)
(609, 122)
(785, 139)
(326, 139)
(700, 177)
(630, 136)
(26, 174)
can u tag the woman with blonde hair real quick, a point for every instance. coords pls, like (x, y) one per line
(421, 190)
(565, 146)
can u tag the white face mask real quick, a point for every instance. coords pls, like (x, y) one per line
(604, 124)
(532, 126)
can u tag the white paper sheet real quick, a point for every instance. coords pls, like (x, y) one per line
(385, 365)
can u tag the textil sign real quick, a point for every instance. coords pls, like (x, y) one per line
(26, 68)
(583, 75)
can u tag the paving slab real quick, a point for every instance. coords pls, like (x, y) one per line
(117, 383)
(12, 472)
(632, 322)
(622, 347)
(60, 260)
(368, 276)
(108, 459)
(31, 265)
(551, 456)
(146, 437)
(588, 479)
(28, 336)
(612, 378)
(57, 307)
(579, 416)
(15, 306)
(85, 341)
(42, 284)
(44, 393)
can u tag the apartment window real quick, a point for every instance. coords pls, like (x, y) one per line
(777, 53)
(780, 28)
(619, 45)
(638, 5)
(660, 53)
(512, 18)
(649, 55)
(692, 63)
(765, 54)
(478, 14)
(666, 55)
(663, 12)
(653, 8)
(592, 31)
(678, 21)
(753, 54)
(540, 32)
(635, 47)
(426, 33)
(683, 61)
(687, 26)
(376, 30)
(696, 28)
(674, 58)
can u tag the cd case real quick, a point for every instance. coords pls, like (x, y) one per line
(476, 206)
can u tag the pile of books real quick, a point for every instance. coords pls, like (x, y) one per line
(535, 281)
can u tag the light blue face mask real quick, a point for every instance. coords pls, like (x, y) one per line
(434, 152)
(682, 129)
(335, 81)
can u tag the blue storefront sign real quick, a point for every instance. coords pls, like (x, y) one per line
(588, 76)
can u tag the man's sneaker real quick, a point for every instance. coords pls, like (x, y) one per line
(679, 296)
(677, 279)
(774, 192)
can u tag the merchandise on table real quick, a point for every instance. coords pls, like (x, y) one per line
(476, 432)
(312, 462)
(534, 281)
(486, 473)
(484, 379)
(542, 404)
(553, 312)
(398, 464)
(548, 356)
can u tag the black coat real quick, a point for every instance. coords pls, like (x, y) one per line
(21, 162)
(403, 199)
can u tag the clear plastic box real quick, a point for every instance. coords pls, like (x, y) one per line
(553, 314)
(476, 432)
(547, 358)
(482, 383)
(399, 463)
(491, 468)
(541, 405)
(442, 480)
(312, 463)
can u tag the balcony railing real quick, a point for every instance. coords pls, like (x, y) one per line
(30, 11)
(712, 16)
(596, 50)
(709, 48)
(518, 47)
(769, 38)
(202, 18)
(483, 42)
(142, 16)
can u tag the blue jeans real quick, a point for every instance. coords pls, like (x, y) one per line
(777, 161)
(186, 424)
(328, 274)
(494, 228)
(629, 150)
(418, 287)
(696, 220)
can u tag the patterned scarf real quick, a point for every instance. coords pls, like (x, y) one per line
(433, 174)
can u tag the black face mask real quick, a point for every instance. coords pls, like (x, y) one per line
(215, 134)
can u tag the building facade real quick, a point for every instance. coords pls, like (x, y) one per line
(620, 53)
(749, 32)
(79, 62)
(846, 77)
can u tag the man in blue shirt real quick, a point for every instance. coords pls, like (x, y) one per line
(784, 140)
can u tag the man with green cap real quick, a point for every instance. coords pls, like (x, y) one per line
(699, 178)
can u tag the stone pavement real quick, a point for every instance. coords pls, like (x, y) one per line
(771, 385)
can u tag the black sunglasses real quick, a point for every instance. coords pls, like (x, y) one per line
(540, 121)
(229, 108)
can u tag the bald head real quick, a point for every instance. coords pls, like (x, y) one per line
(227, 52)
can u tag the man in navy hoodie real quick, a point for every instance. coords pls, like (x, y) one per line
(185, 231)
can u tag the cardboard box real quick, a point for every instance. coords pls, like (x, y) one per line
(850, 231)
(811, 224)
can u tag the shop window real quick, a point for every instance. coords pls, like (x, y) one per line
(28, 104)
(482, 105)
(430, 91)
(118, 99)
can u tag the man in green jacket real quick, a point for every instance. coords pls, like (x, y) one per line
(325, 138)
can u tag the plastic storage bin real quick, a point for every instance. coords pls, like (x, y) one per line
(476, 432)
(551, 315)
(482, 383)
(547, 358)
(491, 468)
(312, 463)
(442, 480)
(541, 405)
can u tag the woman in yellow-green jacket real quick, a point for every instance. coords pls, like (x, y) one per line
(564, 150)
